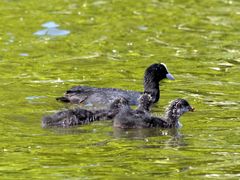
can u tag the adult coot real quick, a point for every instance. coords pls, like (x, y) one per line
(103, 97)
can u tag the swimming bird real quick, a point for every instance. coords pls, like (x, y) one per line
(103, 97)
(79, 116)
(141, 118)
(122, 114)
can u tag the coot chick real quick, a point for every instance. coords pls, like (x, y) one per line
(105, 96)
(141, 118)
(78, 116)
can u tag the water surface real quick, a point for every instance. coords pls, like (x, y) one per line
(109, 44)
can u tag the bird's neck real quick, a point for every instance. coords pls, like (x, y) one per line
(143, 107)
(152, 87)
(172, 117)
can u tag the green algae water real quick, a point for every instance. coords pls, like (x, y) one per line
(46, 47)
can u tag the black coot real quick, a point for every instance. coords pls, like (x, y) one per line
(103, 97)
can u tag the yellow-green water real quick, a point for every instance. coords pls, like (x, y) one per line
(109, 44)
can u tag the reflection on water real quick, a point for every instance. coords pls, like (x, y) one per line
(24, 54)
(173, 136)
(144, 133)
(51, 29)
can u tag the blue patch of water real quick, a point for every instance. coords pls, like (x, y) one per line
(51, 29)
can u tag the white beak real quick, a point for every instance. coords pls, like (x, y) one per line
(169, 76)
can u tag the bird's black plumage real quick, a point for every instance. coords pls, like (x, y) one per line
(103, 97)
